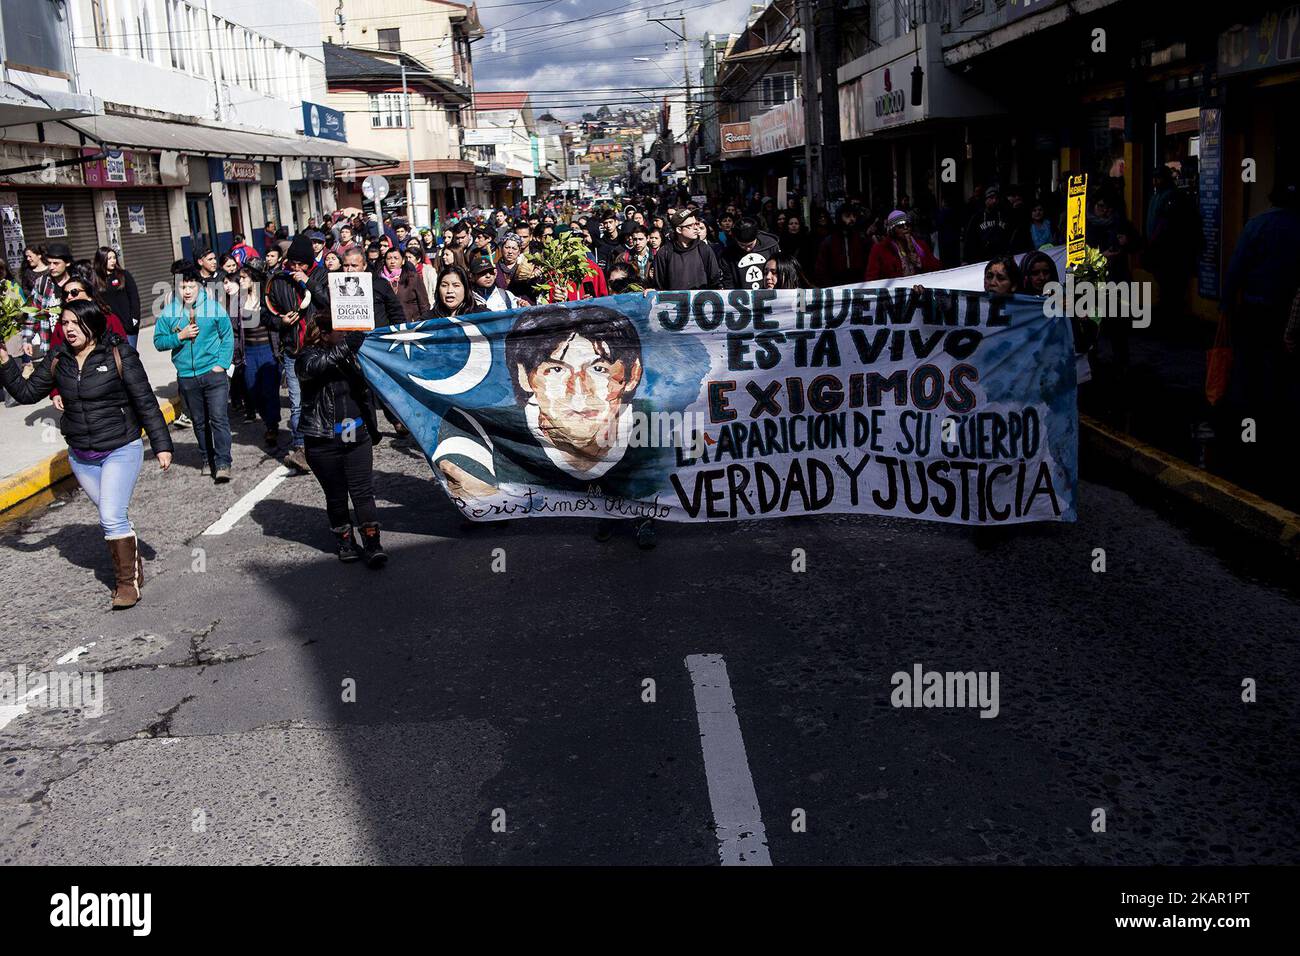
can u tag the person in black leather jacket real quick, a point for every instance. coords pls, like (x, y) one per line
(107, 398)
(339, 428)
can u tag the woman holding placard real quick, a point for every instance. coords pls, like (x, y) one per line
(338, 423)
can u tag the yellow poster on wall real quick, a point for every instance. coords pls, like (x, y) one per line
(1076, 219)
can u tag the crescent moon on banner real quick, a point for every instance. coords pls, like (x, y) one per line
(471, 374)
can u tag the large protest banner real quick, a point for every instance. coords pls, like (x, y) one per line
(948, 405)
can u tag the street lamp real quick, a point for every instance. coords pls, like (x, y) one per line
(408, 122)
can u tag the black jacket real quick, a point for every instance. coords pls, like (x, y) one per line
(744, 270)
(102, 409)
(388, 311)
(123, 300)
(332, 384)
(695, 267)
(607, 250)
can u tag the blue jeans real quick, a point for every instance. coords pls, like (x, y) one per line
(133, 339)
(207, 399)
(108, 483)
(262, 376)
(295, 399)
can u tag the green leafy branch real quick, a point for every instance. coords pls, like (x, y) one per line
(563, 261)
(14, 314)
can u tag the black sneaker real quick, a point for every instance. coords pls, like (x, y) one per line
(371, 549)
(345, 544)
(182, 421)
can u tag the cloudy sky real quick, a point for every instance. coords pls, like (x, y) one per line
(575, 55)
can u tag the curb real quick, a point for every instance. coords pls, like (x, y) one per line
(37, 478)
(1209, 493)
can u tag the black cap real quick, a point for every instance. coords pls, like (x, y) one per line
(58, 250)
(745, 231)
(300, 249)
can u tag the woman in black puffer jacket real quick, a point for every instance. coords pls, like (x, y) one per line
(106, 399)
(339, 427)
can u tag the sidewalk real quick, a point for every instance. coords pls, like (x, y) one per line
(35, 455)
(1156, 422)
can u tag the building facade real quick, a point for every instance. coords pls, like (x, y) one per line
(211, 127)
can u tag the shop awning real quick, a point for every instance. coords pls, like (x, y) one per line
(133, 132)
(425, 167)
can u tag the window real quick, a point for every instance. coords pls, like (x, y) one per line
(100, 18)
(146, 31)
(176, 33)
(389, 110)
(389, 39)
(778, 88)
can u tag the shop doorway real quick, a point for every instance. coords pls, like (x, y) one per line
(202, 221)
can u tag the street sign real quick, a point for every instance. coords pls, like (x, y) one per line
(1076, 230)
(374, 188)
(701, 170)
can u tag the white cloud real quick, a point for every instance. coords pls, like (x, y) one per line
(590, 63)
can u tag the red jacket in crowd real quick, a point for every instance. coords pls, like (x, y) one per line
(886, 262)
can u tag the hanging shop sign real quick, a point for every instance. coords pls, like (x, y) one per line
(119, 167)
(486, 136)
(781, 127)
(735, 139)
(1272, 40)
(236, 171)
(323, 122)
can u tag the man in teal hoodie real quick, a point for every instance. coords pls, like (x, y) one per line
(197, 331)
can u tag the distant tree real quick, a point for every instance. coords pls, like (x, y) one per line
(588, 117)
(603, 113)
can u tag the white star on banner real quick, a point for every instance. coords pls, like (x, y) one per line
(404, 336)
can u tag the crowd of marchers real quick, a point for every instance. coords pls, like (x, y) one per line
(243, 326)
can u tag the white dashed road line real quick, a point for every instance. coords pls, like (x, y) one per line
(75, 653)
(245, 504)
(737, 820)
(11, 712)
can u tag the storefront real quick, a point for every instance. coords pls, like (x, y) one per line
(1258, 64)
(892, 146)
(776, 152)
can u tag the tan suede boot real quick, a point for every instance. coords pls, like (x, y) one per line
(129, 570)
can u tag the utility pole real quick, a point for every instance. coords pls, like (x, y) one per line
(680, 33)
(406, 122)
(811, 115)
(828, 58)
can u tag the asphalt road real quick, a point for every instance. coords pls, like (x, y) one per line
(516, 697)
